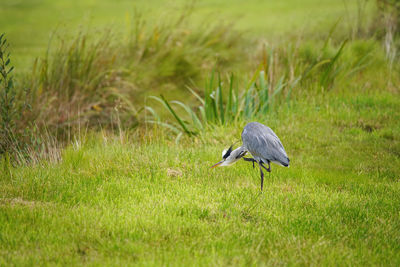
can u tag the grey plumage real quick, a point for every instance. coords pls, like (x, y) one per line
(263, 144)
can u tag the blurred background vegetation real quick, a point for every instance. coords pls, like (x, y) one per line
(96, 64)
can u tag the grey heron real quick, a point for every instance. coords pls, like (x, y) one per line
(262, 143)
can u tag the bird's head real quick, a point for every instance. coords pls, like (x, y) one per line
(230, 156)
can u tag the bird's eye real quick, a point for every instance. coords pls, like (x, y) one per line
(226, 152)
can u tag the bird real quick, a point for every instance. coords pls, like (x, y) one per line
(262, 143)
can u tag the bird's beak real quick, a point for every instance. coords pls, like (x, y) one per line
(216, 164)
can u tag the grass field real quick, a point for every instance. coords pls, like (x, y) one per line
(269, 19)
(121, 195)
(148, 201)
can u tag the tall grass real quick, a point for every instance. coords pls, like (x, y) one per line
(387, 25)
(13, 105)
(174, 52)
(99, 80)
(282, 71)
(8, 110)
(223, 104)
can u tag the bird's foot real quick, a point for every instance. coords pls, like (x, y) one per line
(267, 169)
(250, 159)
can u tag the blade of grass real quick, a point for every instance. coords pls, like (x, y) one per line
(196, 121)
(255, 75)
(153, 113)
(180, 122)
(327, 76)
(220, 106)
(196, 95)
(228, 111)
(166, 125)
(207, 99)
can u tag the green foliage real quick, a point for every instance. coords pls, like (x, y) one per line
(270, 20)
(100, 81)
(256, 101)
(78, 84)
(390, 9)
(12, 107)
(172, 51)
(140, 199)
(387, 27)
(223, 103)
(331, 63)
(8, 109)
(6, 165)
(96, 81)
(149, 201)
(330, 72)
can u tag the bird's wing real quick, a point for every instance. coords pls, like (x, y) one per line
(262, 142)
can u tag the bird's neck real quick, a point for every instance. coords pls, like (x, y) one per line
(239, 152)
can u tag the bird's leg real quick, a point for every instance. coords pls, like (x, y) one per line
(250, 159)
(269, 166)
(262, 177)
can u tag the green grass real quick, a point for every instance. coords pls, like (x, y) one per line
(29, 24)
(147, 201)
(138, 197)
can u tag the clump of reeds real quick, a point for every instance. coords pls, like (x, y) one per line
(13, 106)
(281, 71)
(98, 81)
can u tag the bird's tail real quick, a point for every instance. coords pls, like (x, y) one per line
(286, 163)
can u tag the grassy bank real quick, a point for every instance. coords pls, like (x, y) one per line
(144, 200)
(101, 179)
